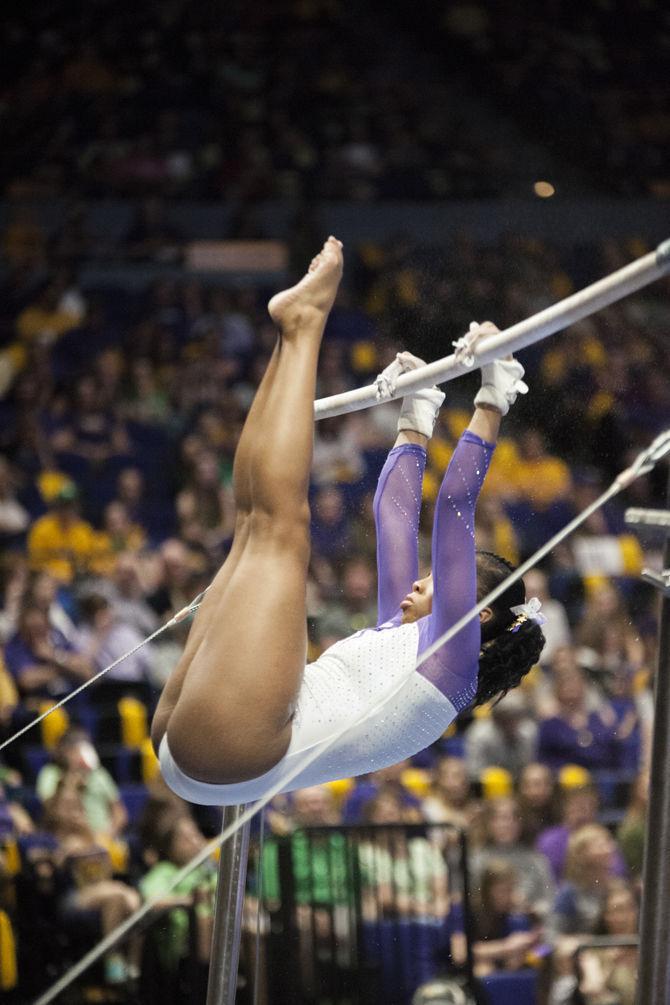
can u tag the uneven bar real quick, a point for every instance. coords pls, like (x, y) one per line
(222, 985)
(576, 307)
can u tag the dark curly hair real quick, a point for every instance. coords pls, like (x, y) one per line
(506, 656)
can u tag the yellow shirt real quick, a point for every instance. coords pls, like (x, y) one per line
(62, 551)
(542, 482)
(108, 547)
(34, 323)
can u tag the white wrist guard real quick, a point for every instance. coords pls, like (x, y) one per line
(420, 410)
(501, 383)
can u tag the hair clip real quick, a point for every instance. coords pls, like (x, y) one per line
(529, 611)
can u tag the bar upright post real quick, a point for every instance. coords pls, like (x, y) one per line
(227, 934)
(653, 987)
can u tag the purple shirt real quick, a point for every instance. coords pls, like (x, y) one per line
(19, 657)
(594, 746)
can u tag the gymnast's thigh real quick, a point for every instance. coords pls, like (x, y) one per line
(233, 715)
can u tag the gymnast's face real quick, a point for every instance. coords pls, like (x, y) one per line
(419, 602)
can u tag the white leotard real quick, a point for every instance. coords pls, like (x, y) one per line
(343, 688)
(339, 689)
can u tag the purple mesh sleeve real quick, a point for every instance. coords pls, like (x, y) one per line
(453, 668)
(397, 505)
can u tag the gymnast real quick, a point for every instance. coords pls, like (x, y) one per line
(241, 707)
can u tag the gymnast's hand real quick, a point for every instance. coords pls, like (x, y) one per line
(419, 410)
(501, 383)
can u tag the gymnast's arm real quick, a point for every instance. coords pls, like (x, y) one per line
(453, 668)
(397, 502)
(397, 506)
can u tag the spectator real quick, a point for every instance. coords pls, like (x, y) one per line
(91, 430)
(86, 875)
(605, 633)
(104, 638)
(507, 738)
(43, 591)
(76, 759)
(400, 875)
(356, 606)
(9, 700)
(205, 507)
(504, 932)
(502, 835)
(612, 972)
(540, 478)
(119, 534)
(536, 794)
(577, 734)
(127, 595)
(580, 898)
(451, 799)
(633, 709)
(600, 551)
(178, 582)
(147, 401)
(579, 807)
(15, 821)
(337, 455)
(176, 841)
(160, 808)
(61, 542)
(130, 488)
(321, 872)
(366, 788)
(44, 665)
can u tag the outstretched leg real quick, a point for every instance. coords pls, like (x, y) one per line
(228, 707)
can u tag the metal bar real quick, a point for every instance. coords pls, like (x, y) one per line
(475, 987)
(222, 984)
(606, 942)
(574, 308)
(654, 968)
(648, 517)
(288, 988)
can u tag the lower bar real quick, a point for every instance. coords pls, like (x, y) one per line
(227, 934)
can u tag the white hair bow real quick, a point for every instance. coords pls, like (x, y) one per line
(530, 611)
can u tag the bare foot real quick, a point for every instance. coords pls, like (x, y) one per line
(315, 292)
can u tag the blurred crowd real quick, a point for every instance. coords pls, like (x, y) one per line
(111, 99)
(589, 75)
(183, 101)
(121, 411)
